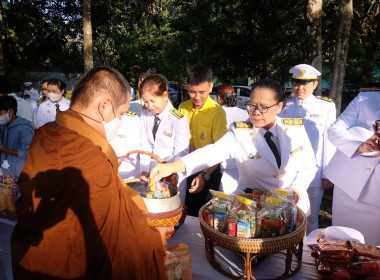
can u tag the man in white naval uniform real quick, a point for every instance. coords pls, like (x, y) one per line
(126, 140)
(355, 168)
(318, 114)
(47, 110)
(31, 95)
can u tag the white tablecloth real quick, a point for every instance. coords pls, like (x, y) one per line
(271, 267)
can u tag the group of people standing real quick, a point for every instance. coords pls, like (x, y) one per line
(291, 143)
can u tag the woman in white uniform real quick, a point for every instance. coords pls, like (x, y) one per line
(248, 144)
(226, 97)
(164, 130)
(355, 167)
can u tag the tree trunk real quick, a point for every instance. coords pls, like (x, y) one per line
(340, 56)
(2, 66)
(370, 28)
(314, 37)
(87, 36)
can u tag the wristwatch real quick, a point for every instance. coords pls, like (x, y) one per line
(205, 176)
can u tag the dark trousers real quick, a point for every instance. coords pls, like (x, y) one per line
(194, 201)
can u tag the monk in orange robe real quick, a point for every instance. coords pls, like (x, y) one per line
(76, 218)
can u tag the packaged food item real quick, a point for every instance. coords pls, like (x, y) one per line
(272, 218)
(220, 202)
(364, 268)
(243, 230)
(219, 223)
(244, 210)
(366, 250)
(232, 227)
(338, 250)
(208, 217)
(156, 190)
(258, 195)
(288, 199)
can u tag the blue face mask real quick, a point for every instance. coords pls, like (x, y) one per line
(4, 119)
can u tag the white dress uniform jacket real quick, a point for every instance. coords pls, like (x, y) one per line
(34, 97)
(256, 162)
(318, 114)
(357, 175)
(48, 111)
(229, 169)
(172, 136)
(24, 109)
(128, 139)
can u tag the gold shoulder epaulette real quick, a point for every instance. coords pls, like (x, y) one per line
(292, 121)
(176, 113)
(370, 89)
(325, 98)
(243, 125)
(131, 113)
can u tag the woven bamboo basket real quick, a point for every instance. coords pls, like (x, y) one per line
(173, 213)
(255, 245)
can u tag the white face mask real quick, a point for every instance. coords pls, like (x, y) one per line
(54, 97)
(4, 119)
(112, 128)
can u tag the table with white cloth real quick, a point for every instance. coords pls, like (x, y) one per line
(191, 234)
(271, 267)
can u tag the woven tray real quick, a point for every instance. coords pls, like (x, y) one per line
(255, 245)
(290, 245)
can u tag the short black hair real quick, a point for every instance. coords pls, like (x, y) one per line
(7, 102)
(199, 74)
(270, 84)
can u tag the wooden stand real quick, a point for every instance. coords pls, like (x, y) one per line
(295, 250)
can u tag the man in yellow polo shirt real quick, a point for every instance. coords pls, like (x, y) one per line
(207, 121)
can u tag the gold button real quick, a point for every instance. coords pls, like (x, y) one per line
(275, 176)
(369, 169)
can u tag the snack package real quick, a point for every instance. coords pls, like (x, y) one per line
(244, 210)
(219, 221)
(258, 195)
(157, 190)
(366, 250)
(271, 219)
(220, 202)
(291, 209)
(338, 250)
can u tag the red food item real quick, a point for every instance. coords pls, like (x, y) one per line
(365, 268)
(335, 250)
(367, 250)
(328, 271)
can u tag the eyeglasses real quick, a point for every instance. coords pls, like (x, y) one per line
(262, 109)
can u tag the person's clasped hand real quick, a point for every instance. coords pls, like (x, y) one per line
(371, 144)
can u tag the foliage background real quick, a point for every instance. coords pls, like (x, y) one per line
(237, 39)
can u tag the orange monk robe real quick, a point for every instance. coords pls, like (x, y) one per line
(76, 220)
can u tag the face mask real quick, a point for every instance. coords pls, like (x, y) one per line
(112, 128)
(54, 97)
(4, 119)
